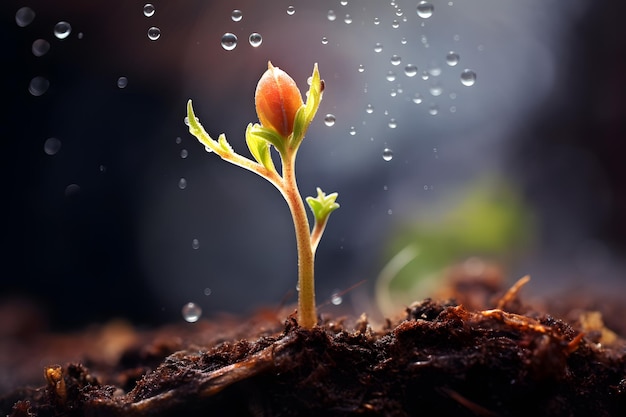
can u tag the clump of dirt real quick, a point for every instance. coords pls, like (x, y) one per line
(439, 358)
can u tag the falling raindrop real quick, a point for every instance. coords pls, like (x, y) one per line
(387, 154)
(182, 183)
(435, 90)
(291, 10)
(62, 30)
(410, 70)
(376, 21)
(229, 41)
(236, 15)
(425, 9)
(396, 59)
(433, 109)
(352, 131)
(40, 47)
(392, 123)
(324, 40)
(51, 146)
(122, 82)
(195, 244)
(468, 77)
(435, 71)
(348, 19)
(452, 58)
(184, 153)
(331, 15)
(191, 312)
(154, 33)
(24, 16)
(369, 109)
(425, 75)
(148, 10)
(403, 41)
(391, 76)
(395, 24)
(178, 140)
(344, 2)
(208, 291)
(255, 39)
(329, 119)
(361, 68)
(378, 47)
(72, 190)
(417, 98)
(38, 86)
(336, 298)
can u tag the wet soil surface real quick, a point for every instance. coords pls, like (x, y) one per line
(455, 358)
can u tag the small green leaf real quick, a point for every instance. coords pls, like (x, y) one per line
(306, 113)
(260, 148)
(269, 135)
(322, 205)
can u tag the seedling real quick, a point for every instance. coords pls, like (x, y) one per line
(284, 119)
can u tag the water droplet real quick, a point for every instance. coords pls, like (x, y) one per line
(178, 140)
(184, 153)
(40, 47)
(148, 10)
(425, 9)
(236, 15)
(395, 24)
(38, 86)
(331, 15)
(182, 183)
(376, 21)
(344, 2)
(452, 96)
(154, 33)
(390, 212)
(425, 75)
(417, 98)
(329, 119)
(396, 59)
(452, 58)
(387, 154)
(468, 77)
(72, 190)
(433, 110)
(191, 312)
(410, 70)
(391, 76)
(378, 47)
(102, 168)
(208, 291)
(369, 109)
(229, 41)
(122, 82)
(452, 109)
(62, 30)
(403, 41)
(336, 298)
(361, 68)
(255, 39)
(51, 146)
(80, 35)
(291, 10)
(435, 90)
(392, 123)
(24, 16)
(347, 19)
(195, 244)
(324, 40)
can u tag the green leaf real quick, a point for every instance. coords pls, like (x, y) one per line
(306, 113)
(196, 129)
(259, 147)
(322, 205)
(269, 135)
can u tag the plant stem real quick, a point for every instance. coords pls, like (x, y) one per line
(307, 316)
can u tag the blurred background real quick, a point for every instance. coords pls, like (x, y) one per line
(464, 129)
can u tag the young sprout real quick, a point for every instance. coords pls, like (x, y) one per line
(284, 119)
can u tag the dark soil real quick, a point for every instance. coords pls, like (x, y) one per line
(489, 356)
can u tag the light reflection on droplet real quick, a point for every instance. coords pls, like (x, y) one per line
(352, 131)
(255, 39)
(378, 47)
(391, 76)
(62, 30)
(148, 10)
(191, 312)
(329, 120)
(229, 41)
(425, 9)
(369, 109)
(468, 77)
(347, 19)
(417, 98)
(122, 82)
(236, 15)
(182, 183)
(184, 153)
(291, 10)
(331, 15)
(154, 33)
(387, 154)
(392, 123)
(452, 58)
(410, 70)
(336, 298)
(324, 40)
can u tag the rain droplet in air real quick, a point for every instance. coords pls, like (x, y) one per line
(195, 244)
(425, 75)
(361, 68)
(391, 76)
(51, 146)
(182, 183)
(72, 190)
(329, 120)
(395, 24)
(344, 2)
(236, 15)
(331, 15)
(148, 10)
(403, 41)
(410, 70)
(452, 58)
(425, 9)
(369, 109)
(468, 77)
(255, 39)
(324, 40)
(24, 16)
(229, 41)
(336, 298)
(417, 98)
(387, 154)
(40, 47)
(184, 153)
(392, 123)
(396, 59)
(378, 47)
(435, 90)
(191, 312)
(291, 10)
(154, 33)
(433, 110)
(38, 86)
(208, 291)
(376, 21)
(122, 82)
(62, 30)
(347, 19)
